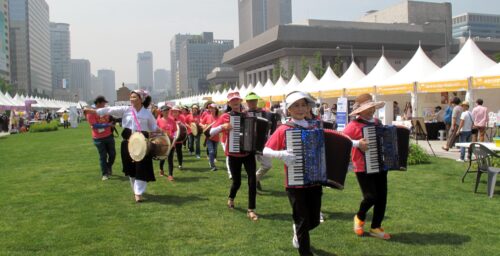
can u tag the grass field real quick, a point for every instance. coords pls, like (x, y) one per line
(53, 202)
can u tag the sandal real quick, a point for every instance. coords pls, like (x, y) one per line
(230, 203)
(445, 148)
(252, 215)
(138, 198)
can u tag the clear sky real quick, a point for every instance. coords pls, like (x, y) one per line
(110, 33)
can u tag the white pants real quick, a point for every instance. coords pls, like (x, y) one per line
(227, 158)
(138, 186)
(265, 165)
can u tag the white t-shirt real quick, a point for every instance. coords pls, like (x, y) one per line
(468, 121)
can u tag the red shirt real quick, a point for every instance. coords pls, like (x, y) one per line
(167, 125)
(99, 133)
(224, 119)
(208, 119)
(355, 131)
(188, 118)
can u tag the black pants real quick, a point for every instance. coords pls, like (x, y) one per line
(374, 188)
(178, 150)
(306, 205)
(235, 164)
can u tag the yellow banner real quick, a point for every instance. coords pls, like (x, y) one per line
(486, 82)
(359, 91)
(443, 86)
(277, 98)
(395, 89)
(331, 94)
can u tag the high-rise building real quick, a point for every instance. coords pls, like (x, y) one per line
(198, 56)
(257, 16)
(81, 79)
(161, 79)
(476, 25)
(145, 70)
(107, 77)
(60, 55)
(95, 86)
(4, 41)
(30, 46)
(175, 48)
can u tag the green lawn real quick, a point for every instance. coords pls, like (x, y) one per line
(53, 202)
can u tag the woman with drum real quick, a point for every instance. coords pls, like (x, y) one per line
(206, 122)
(166, 124)
(179, 130)
(137, 121)
(194, 119)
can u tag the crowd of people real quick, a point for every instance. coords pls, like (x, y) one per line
(305, 201)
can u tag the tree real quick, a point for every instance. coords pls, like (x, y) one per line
(278, 71)
(6, 87)
(318, 68)
(496, 56)
(305, 67)
(337, 66)
(291, 71)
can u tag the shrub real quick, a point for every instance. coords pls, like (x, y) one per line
(417, 155)
(44, 126)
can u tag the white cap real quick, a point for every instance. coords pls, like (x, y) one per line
(297, 95)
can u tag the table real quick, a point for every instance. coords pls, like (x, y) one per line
(432, 128)
(490, 145)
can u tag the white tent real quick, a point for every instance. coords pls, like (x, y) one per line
(267, 89)
(488, 79)
(278, 90)
(292, 85)
(352, 75)
(326, 80)
(455, 74)
(309, 83)
(379, 73)
(258, 88)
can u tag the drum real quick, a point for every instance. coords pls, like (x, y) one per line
(138, 146)
(206, 131)
(194, 129)
(160, 147)
(181, 133)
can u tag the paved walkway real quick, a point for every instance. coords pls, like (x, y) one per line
(453, 153)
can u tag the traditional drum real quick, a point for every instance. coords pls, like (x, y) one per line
(181, 133)
(138, 146)
(195, 129)
(160, 147)
(206, 131)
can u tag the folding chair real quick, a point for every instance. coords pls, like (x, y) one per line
(483, 157)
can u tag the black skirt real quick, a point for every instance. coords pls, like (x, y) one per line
(142, 170)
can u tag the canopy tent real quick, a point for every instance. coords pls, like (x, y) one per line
(352, 75)
(292, 85)
(380, 72)
(278, 91)
(488, 79)
(258, 88)
(454, 75)
(267, 89)
(309, 83)
(418, 68)
(326, 80)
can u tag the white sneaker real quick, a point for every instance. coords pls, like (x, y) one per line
(460, 160)
(321, 218)
(295, 239)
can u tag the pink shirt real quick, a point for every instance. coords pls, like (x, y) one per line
(99, 133)
(355, 131)
(208, 119)
(480, 114)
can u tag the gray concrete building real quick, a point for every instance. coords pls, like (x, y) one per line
(107, 77)
(161, 79)
(175, 48)
(197, 58)
(81, 79)
(30, 46)
(257, 16)
(60, 56)
(145, 70)
(95, 86)
(222, 77)
(4, 41)
(294, 49)
(476, 25)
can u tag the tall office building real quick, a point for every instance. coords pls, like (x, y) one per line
(95, 86)
(161, 79)
(476, 25)
(197, 58)
(30, 46)
(257, 16)
(60, 56)
(81, 79)
(107, 78)
(4, 41)
(145, 70)
(175, 48)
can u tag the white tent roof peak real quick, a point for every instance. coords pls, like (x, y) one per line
(292, 84)
(379, 73)
(328, 78)
(309, 83)
(267, 89)
(352, 75)
(419, 67)
(469, 61)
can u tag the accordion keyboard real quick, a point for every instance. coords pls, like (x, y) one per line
(294, 145)
(234, 134)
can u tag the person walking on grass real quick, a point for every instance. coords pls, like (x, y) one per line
(480, 114)
(209, 119)
(102, 135)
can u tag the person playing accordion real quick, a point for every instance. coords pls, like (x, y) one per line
(373, 185)
(305, 200)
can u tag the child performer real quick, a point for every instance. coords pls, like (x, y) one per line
(236, 160)
(374, 185)
(305, 201)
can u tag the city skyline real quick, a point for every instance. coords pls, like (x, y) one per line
(112, 35)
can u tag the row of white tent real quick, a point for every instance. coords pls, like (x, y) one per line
(470, 69)
(18, 102)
